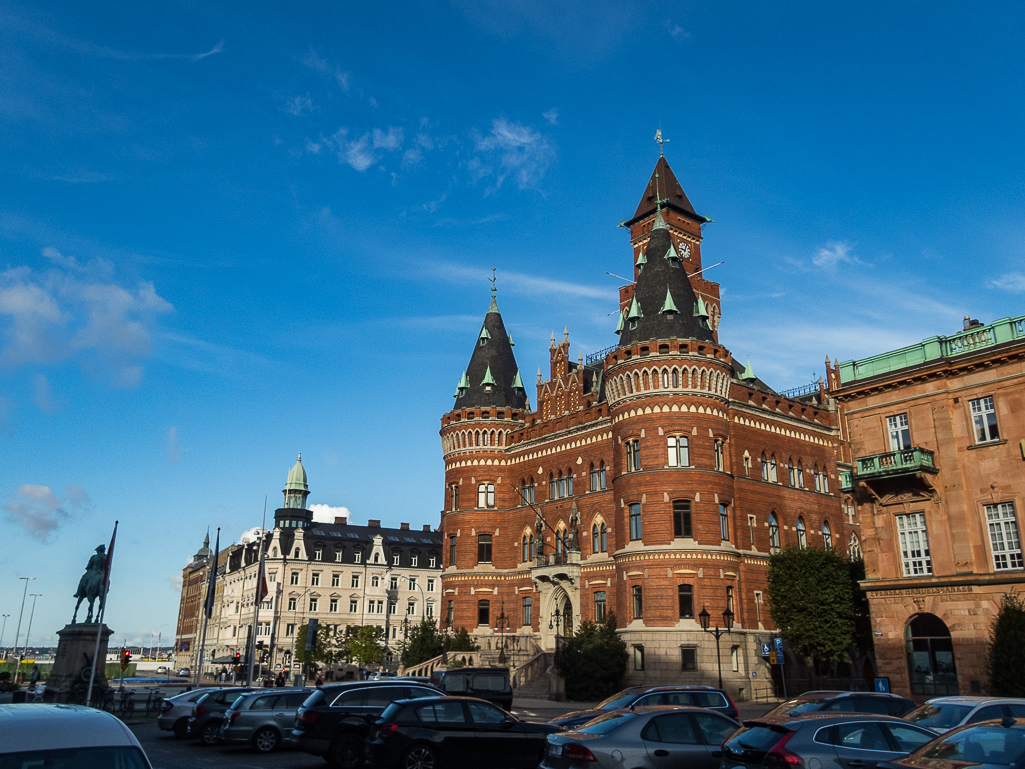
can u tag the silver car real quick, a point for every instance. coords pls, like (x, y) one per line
(942, 714)
(263, 718)
(652, 737)
(175, 711)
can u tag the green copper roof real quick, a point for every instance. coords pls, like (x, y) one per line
(748, 374)
(671, 254)
(517, 382)
(660, 222)
(620, 324)
(699, 308)
(511, 342)
(641, 259)
(635, 310)
(668, 305)
(484, 333)
(463, 386)
(488, 379)
(297, 477)
(493, 307)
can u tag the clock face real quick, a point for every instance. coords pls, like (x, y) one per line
(684, 249)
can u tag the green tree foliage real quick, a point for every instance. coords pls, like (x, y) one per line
(364, 645)
(462, 641)
(323, 647)
(862, 617)
(593, 660)
(811, 600)
(423, 643)
(1005, 658)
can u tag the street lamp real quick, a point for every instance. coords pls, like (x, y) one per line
(2, 629)
(502, 627)
(31, 614)
(727, 620)
(557, 620)
(17, 633)
(295, 630)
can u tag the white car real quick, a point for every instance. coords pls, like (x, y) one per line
(175, 711)
(941, 714)
(71, 736)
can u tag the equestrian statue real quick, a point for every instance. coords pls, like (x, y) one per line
(90, 586)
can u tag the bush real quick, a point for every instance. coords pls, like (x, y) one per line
(593, 661)
(1005, 657)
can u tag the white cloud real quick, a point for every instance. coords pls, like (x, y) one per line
(250, 535)
(175, 581)
(518, 150)
(174, 449)
(327, 513)
(43, 395)
(317, 64)
(519, 282)
(676, 32)
(1012, 281)
(39, 511)
(297, 105)
(368, 149)
(391, 140)
(552, 116)
(833, 253)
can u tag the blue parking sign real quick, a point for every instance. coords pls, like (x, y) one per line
(883, 685)
(765, 650)
(778, 642)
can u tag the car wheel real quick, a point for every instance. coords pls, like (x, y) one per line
(211, 733)
(420, 757)
(266, 739)
(181, 728)
(346, 752)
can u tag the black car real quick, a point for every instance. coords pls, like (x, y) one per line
(456, 732)
(491, 684)
(843, 702)
(998, 744)
(707, 697)
(334, 721)
(208, 714)
(823, 740)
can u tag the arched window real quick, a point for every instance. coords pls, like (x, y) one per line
(800, 474)
(569, 483)
(558, 543)
(484, 438)
(604, 541)
(817, 479)
(676, 378)
(533, 547)
(827, 535)
(772, 469)
(802, 534)
(791, 474)
(774, 541)
(765, 467)
(526, 548)
(486, 495)
(593, 476)
(678, 447)
(854, 547)
(601, 474)
(595, 540)
(561, 487)
(665, 380)
(551, 486)
(825, 480)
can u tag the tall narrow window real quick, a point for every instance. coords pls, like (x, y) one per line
(899, 432)
(765, 467)
(682, 524)
(724, 522)
(528, 610)
(816, 478)
(685, 597)
(484, 613)
(569, 483)
(800, 474)
(601, 474)
(552, 488)
(729, 598)
(638, 602)
(633, 456)
(526, 549)
(773, 477)
(720, 456)
(450, 613)
(484, 548)
(452, 550)
(593, 476)
(599, 606)
(747, 465)
(561, 486)
(752, 523)
(635, 522)
(802, 534)
(914, 544)
(454, 496)
(854, 547)
(595, 540)
(827, 535)
(678, 447)
(486, 495)
(604, 540)
(1004, 539)
(984, 420)
(825, 480)
(791, 473)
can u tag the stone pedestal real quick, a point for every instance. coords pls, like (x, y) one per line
(75, 649)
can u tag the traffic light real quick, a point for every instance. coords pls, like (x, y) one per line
(238, 658)
(288, 658)
(259, 645)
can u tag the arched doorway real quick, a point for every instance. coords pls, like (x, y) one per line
(930, 656)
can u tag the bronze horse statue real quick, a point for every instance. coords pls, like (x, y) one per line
(90, 586)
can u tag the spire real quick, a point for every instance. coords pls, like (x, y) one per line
(296, 489)
(668, 306)
(621, 324)
(748, 374)
(517, 382)
(665, 187)
(641, 260)
(489, 376)
(635, 310)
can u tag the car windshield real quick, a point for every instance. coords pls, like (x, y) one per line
(606, 724)
(797, 707)
(980, 744)
(759, 738)
(941, 715)
(121, 757)
(617, 701)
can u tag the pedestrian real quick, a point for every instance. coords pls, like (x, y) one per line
(34, 679)
(320, 681)
(280, 680)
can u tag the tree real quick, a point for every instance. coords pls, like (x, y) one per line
(811, 600)
(423, 643)
(593, 660)
(1005, 657)
(322, 650)
(364, 644)
(461, 641)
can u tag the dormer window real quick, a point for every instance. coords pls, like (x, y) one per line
(377, 557)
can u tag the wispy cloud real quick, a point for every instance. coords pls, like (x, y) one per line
(552, 116)
(297, 105)
(43, 395)
(513, 150)
(318, 64)
(368, 149)
(1013, 282)
(174, 449)
(833, 253)
(518, 282)
(199, 355)
(40, 512)
(676, 32)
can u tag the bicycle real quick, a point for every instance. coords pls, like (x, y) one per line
(127, 707)
(154, 702)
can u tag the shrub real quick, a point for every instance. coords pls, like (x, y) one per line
(593, 661)
(1005, 657)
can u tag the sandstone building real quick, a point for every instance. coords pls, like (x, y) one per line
(936, 432)
(652, 478)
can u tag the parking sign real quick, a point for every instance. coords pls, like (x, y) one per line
(778, 643)
(766, 650)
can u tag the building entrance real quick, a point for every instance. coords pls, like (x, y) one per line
(930, 656)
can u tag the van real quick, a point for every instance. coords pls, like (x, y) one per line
(491, 684)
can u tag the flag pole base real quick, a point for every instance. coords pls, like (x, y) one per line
(74, 649)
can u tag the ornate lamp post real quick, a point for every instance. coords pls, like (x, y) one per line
(727, 619)
(502, 627)
(553, 624)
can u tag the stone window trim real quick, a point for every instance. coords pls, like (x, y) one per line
(985, 428)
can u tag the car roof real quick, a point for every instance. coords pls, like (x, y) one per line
(191, 692)
(971, 700)
(33, 725)
(680, 688)
(276, 690)
(830, 695)
(473, 670)
(374, 682)
(796, 721)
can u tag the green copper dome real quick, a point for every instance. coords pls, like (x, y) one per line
(297, 477)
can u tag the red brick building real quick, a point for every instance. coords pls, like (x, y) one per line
(652, 479)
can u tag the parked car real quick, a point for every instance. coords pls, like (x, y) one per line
(162, 669)
(645, 737)
(436, 732)
(183, 672)
(175, 711)
(822, 740)
(844, 702)
(208, 713)
(335, 719)
(71, 736)
(263, 718)
(491, 684)
(641, 696)
(999, 744)
(944, 713)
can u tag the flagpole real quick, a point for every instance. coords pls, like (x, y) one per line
(259, 597)
(211, 589)
(103, 610)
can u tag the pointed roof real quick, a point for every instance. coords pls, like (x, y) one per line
(669, 189)
(668, 305)
(662, 277)
(491, 375)
(748, 374)
(297, 477)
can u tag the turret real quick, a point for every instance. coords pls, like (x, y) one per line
(293, 514)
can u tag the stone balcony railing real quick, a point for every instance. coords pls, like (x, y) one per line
(903, 462)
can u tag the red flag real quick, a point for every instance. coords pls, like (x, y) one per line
(262, 590)
(107, 562)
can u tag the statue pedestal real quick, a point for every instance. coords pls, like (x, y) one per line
(74, 650)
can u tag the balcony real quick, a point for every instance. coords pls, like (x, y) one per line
(846, 481)
(904, 462)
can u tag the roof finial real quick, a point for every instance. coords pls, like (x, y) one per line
(661, 142)
(493, 280)
(300, 459)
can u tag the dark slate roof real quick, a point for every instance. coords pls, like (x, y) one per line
(348, 538)
(754, 384)
(658, 274)
(668, 189)
(497, 357)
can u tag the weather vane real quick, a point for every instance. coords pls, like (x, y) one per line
(492, 280)
(660, 141)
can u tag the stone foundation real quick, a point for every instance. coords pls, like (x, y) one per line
(74, 650)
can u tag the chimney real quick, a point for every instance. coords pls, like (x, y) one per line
(427, 527)
(341, 520)
(404, 526)
(374, 524)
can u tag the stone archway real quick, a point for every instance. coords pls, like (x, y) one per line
(930, 654)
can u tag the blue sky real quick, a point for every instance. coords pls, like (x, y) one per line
(233, 232)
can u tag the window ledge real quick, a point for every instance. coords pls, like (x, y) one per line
(1001, 442)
